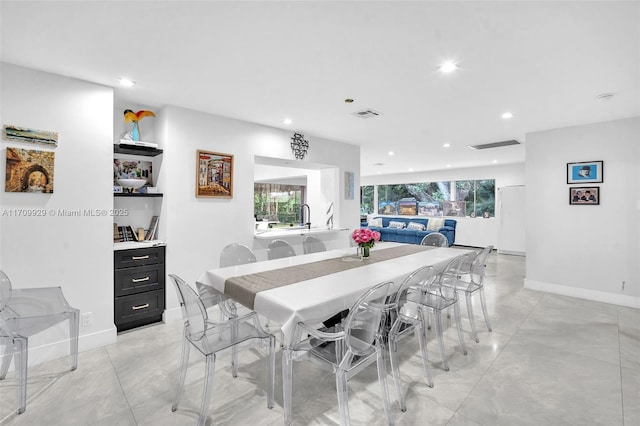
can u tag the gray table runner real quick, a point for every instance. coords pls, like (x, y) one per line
(243, 289)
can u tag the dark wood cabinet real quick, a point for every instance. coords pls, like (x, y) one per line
(139, 286)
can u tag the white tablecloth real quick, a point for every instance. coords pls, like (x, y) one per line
(317, 299)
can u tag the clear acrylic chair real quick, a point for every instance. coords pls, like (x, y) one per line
(409, 320)
(24, 313)
(311, 244)
(471, 281)
(345, 352)
(210, 337)
(435, 239)
(438, 295)
(231, 255)
(277, 249)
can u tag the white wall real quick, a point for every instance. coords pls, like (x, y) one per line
(585, 251)
(198, 228)
(475, 232)
(72, 252)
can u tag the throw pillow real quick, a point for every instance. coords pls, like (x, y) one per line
(435, 224)
(377, 222)
(398, 225)
(416, 226)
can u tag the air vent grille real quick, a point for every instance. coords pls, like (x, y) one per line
(496, 144)
(366, 113)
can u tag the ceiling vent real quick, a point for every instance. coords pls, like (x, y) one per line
(366, 113)
(496, 144)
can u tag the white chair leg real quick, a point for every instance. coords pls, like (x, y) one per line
(208, 385)
(21, 355)
(438, 321)
(343, 397)
(395, 369)
(424, 355)
(456, 310)
(474, 333)
(484, 308)
(287, 383)
(382, 379)
(184, 363)
(7, 355)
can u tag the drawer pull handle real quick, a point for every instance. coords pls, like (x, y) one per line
(139, 280)
(146, 256)
(135, 308)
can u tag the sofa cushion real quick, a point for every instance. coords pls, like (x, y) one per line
(415, 226)
(376, 221)
(435, 223)
(395, 224)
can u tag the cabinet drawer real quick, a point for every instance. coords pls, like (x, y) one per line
(136, 308)
(136, 280)
(138, 257)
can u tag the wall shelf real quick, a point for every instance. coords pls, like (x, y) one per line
(146, 151)
(135, 194)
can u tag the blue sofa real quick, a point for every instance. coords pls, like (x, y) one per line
(412, 236)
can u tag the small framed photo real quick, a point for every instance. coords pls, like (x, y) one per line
(585, 172)
(214, 174)
(584, 195)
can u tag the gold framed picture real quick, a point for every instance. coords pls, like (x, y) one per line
(214, 174)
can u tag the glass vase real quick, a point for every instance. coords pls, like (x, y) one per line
(363, 252)
(135, 133)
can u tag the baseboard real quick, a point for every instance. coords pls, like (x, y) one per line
(173, 314)
(39, 353)
(511, 252)
(582, 293)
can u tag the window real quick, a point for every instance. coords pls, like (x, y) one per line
(278, 203)
(445, 198)
(366, 199)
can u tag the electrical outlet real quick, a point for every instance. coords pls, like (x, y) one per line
(87, 319)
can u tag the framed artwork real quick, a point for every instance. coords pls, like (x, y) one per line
(23, 134)
(584, 195)
(349, 185)
(585, 172)
(214, 174)
(29, 171)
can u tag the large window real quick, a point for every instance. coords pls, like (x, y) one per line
(278, 203)
(367, 203)
(478, 196)
(446, 198)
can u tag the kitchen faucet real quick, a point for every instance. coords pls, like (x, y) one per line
(308, 222)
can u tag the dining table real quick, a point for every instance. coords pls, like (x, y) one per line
(312, 287)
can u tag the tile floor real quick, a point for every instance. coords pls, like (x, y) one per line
(550, 360)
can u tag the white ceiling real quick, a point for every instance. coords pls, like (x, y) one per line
(263, 61)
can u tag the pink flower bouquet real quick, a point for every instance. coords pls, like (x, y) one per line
(365, 237)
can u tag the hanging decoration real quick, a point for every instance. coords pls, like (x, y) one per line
(299, 146)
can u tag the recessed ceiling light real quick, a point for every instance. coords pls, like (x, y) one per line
(126, 82)
(507, 115)
(287, 121)
(448, 67)
(390, 153)
(495, 161)
(448, 165)
(446, 145)
(410, 169)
